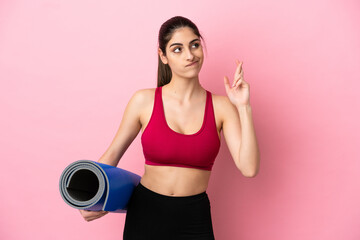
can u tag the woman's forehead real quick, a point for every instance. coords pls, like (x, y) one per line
(183, 35)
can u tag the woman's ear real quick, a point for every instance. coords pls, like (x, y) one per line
(162, 57)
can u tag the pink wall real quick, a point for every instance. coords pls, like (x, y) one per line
(68, 69)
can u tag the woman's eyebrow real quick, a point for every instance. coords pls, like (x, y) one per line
(182, 44)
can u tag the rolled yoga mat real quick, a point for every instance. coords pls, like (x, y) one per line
(95, 186)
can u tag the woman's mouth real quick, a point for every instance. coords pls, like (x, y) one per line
(192, 64)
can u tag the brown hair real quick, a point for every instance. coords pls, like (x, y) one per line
(165, 33)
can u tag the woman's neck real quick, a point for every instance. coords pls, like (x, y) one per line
(184, 88)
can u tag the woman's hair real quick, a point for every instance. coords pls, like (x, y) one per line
(165, 33)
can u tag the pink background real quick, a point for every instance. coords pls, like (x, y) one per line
(68, 69)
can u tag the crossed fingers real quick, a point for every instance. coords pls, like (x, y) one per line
(239, 73)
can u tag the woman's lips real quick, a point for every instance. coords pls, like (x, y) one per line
(191, 64)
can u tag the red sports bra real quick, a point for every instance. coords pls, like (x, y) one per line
(162, 146)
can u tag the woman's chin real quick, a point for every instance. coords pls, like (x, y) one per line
(192, 76)
(192, 73)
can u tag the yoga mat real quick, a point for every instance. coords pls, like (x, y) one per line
(95, 186)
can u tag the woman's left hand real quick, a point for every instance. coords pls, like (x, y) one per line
(239, 92)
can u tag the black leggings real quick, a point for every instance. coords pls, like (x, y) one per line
(151, 215)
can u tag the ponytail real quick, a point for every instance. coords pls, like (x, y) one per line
(164, 73)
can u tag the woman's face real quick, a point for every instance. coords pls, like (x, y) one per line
(184, 48)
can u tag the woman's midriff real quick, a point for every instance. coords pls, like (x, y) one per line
(175, 181)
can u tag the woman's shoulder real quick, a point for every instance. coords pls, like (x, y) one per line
(222, 105)
(143, 97)
(144, 94)
(220, 100)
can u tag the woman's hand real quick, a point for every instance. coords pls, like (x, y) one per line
(92, 215)
(239, 92)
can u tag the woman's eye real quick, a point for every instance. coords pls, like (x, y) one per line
(196, 44)
(177, 50)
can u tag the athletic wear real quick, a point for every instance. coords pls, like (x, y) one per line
(151, 215)
(162, 146)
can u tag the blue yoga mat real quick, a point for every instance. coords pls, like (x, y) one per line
(95, 186)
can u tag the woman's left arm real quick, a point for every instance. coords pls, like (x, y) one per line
(248, 150)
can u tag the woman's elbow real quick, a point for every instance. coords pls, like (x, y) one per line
(250, 171)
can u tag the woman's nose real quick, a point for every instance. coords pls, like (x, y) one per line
(189, 55)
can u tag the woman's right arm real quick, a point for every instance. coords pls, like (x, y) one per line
(128, 130)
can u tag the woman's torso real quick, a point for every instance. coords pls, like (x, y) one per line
(177, 181)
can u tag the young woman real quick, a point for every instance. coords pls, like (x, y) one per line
(181, 124)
